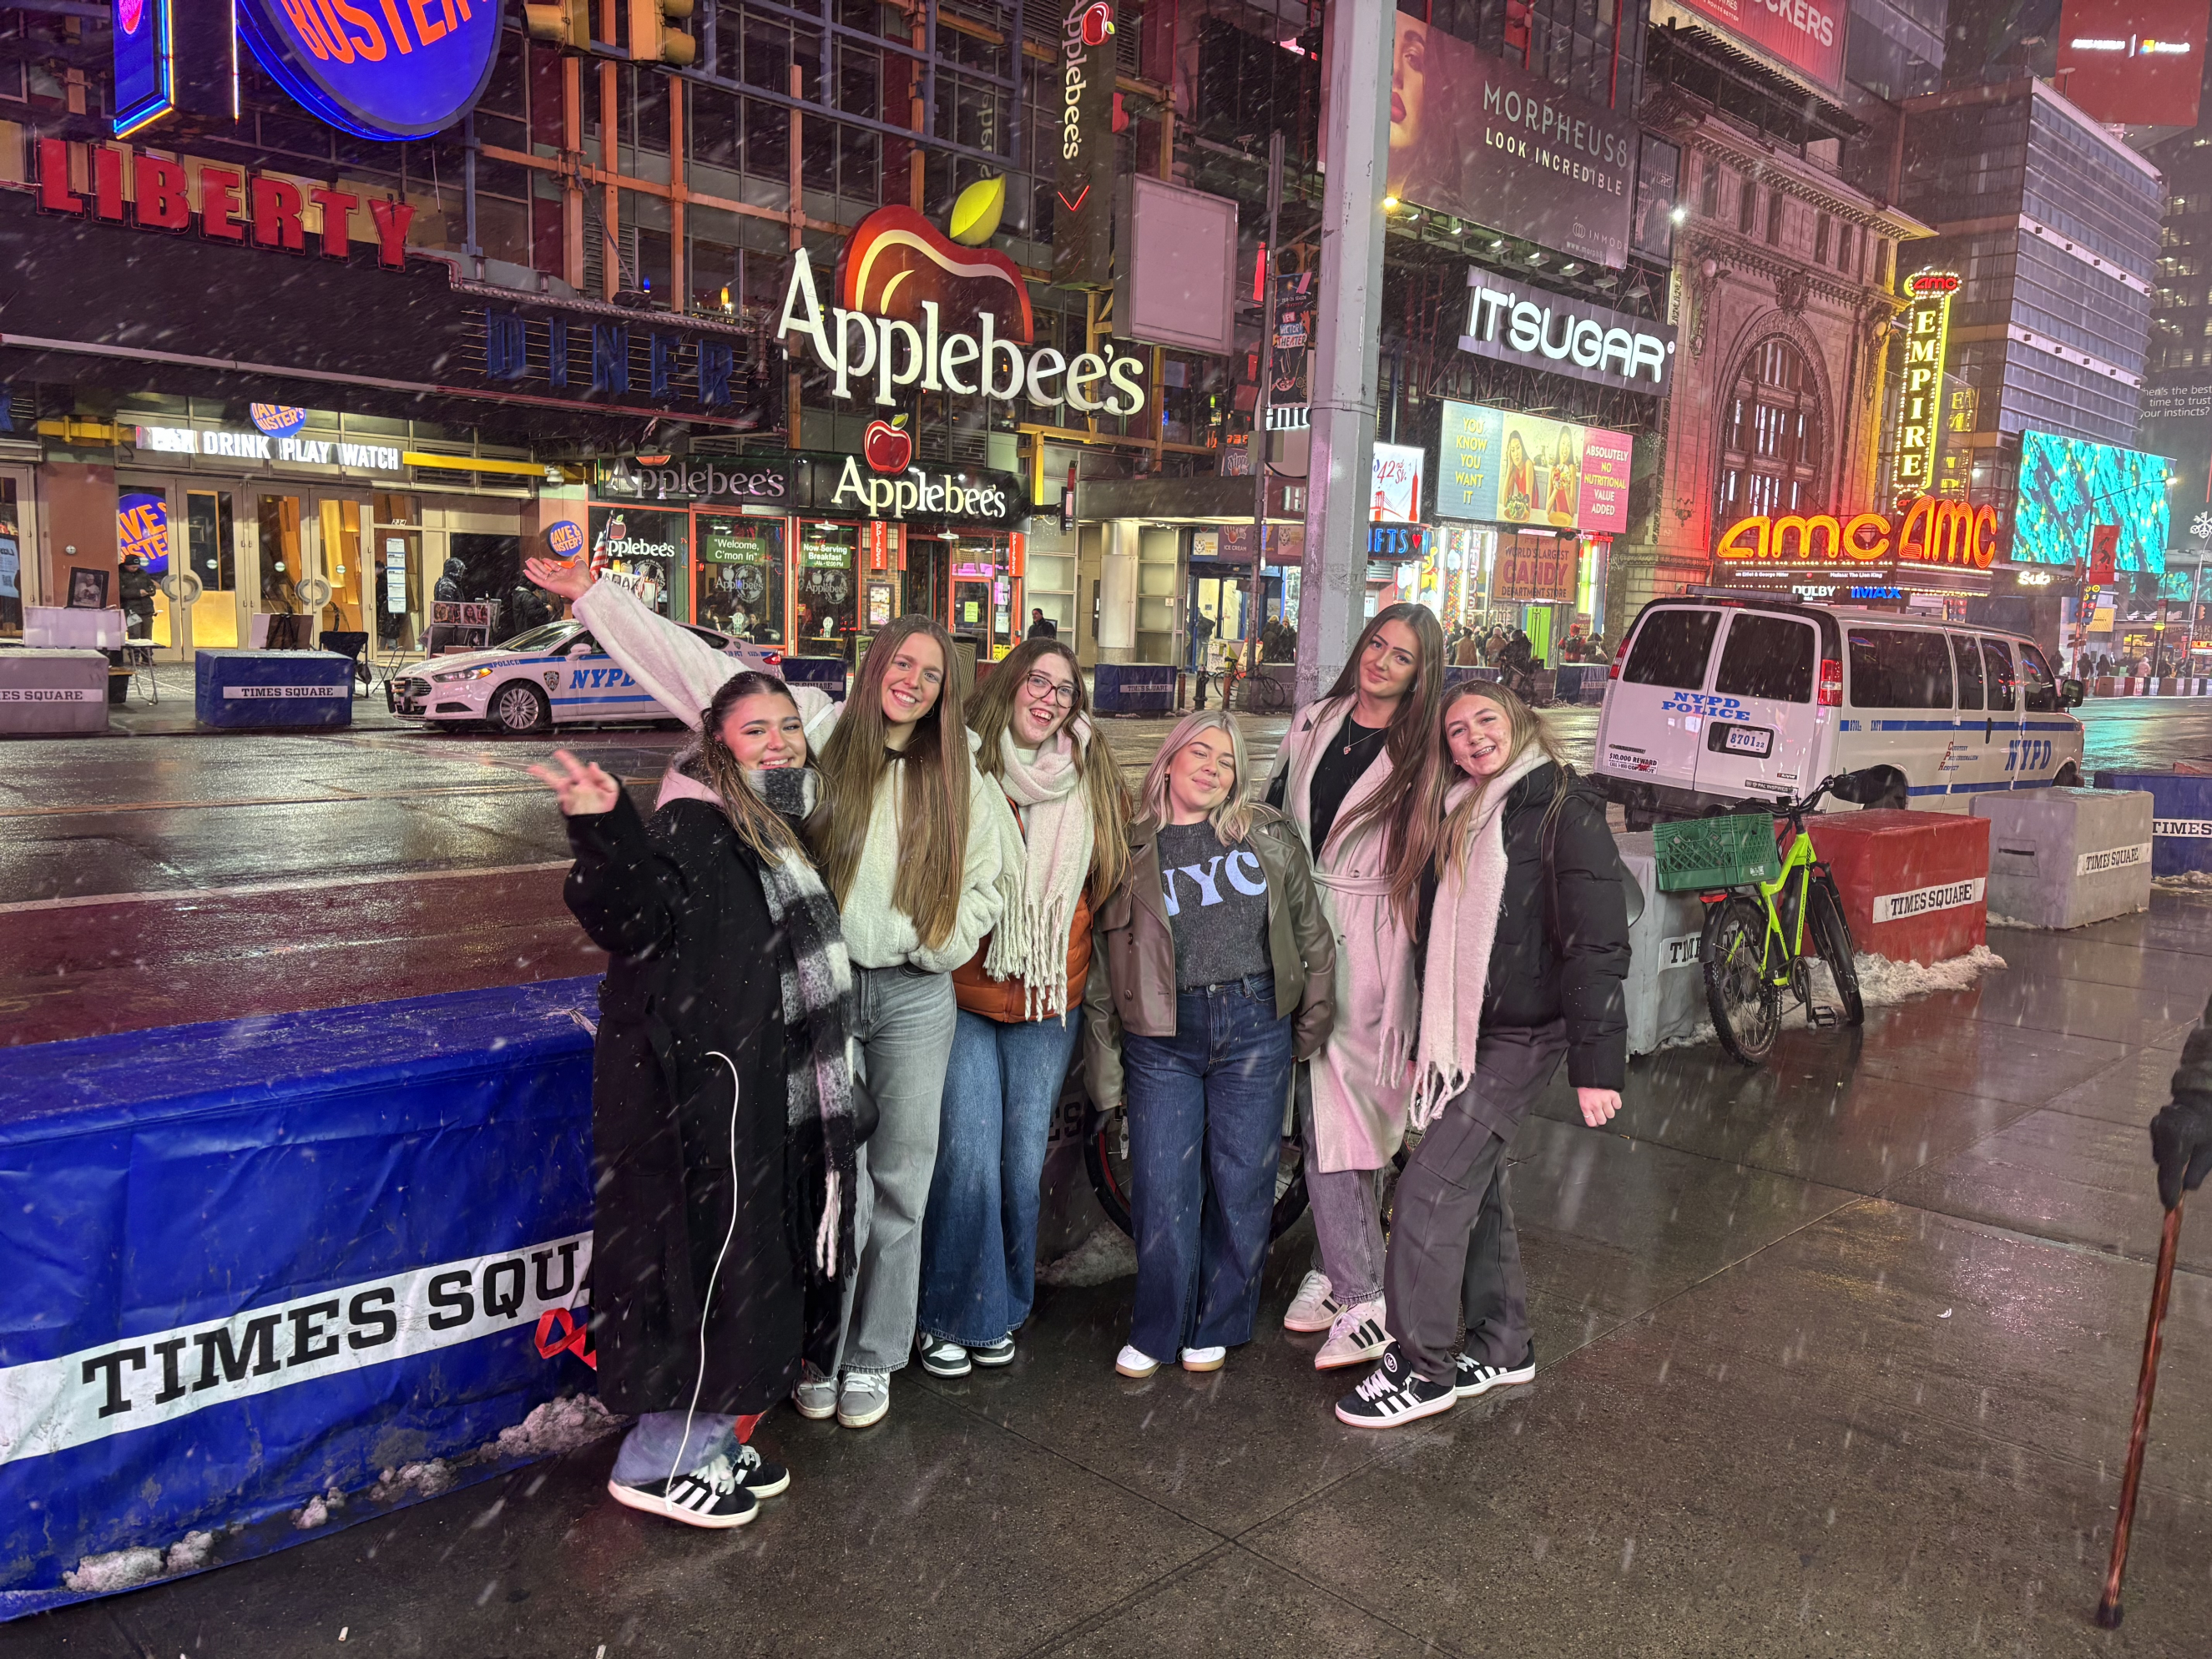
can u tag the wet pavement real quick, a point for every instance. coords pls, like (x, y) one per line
(1837, 1356)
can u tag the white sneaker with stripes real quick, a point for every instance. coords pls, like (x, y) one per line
(1313, 1309)
(1393, 1397)
(714, 1495)
(1356, 1337)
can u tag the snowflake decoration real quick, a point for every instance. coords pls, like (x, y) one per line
(2200, 526)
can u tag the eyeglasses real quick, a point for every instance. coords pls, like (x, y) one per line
(1043, 686)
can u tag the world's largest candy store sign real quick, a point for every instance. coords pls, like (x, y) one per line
(380, 69)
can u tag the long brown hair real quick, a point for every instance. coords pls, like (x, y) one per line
(759, 825)
(1444, 836)
(933, 810)
(992, 716)
(1404, 795)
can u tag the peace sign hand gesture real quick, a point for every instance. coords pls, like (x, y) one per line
(584, 791)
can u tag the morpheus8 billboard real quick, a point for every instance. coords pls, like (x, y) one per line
(2068, 486)
(1474, 137)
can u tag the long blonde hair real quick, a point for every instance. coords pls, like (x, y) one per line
(1232, 820)
(992, 716)
(1440, 831)
(932, 809)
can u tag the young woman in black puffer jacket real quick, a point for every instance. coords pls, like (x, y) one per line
(1520, 958)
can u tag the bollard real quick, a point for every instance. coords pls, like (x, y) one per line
(2065, 858)
(1915, 884)
(2181, 817)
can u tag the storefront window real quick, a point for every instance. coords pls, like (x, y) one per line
(398, 555)
(739, 577)
(141, 530)
(640, 548)
(983, 578)
(829, 599)
(212, 550)
(11, 563)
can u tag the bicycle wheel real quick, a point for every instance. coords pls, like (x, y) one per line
(1272, 695)
(1746, 1005)
(1832, 937)
(1106, 1156)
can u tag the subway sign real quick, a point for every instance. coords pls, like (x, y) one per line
(379, 69)
(1928, 532)
(916, 310)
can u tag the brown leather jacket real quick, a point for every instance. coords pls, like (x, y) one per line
(1133, 971)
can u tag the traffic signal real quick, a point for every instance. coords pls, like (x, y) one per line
(561, 22)
(651, 40)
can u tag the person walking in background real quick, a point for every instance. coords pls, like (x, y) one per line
(724, 1122)
(1351, 774)
(1212, 971)
(1520, 963)
(1043, 627)
(917, 892)
(1064, 847)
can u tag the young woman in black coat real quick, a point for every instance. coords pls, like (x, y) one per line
(1522, 949)
(722, 1106)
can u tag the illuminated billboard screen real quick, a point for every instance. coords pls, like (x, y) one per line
(2137, 63)
(1806, 34)
(1499, 466)
(2068, 485)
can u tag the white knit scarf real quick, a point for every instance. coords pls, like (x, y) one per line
(1047, 859)
(1462, 929)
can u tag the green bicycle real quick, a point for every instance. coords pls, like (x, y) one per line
(1762, 900)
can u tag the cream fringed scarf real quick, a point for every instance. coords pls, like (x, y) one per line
(1043, 871)
(1462, 928)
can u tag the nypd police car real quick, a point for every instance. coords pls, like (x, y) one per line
(555, 675)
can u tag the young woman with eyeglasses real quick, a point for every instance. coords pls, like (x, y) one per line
(1351, 774)
(905, 836)
(1065, 846)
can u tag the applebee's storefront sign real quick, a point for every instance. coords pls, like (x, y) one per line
(919, 310)
(963, 497)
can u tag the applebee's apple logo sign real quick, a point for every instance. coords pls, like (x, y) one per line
(916, 491)
(920, 310)
(888, 445)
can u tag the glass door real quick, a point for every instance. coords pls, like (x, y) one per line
(283, 557)
(215, 619)
(341, 525)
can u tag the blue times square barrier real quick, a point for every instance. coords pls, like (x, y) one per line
(251, 1261)
(2180, 817)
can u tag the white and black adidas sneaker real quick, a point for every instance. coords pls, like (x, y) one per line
(714, 1495)
(1393, 1395)
(1356, 1337)
(1475, 1376)
(757, 1475)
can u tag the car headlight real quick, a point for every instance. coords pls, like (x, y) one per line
(465, 674)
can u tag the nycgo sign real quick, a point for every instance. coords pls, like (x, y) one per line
(1524, 325)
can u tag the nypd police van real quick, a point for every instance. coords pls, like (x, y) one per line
(1717, 698)
(554, 675)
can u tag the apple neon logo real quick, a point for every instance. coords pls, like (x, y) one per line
(888, 446)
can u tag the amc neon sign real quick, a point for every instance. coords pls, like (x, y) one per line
(1929, 531)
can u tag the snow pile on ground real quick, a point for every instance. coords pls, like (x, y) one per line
(1882, 983)
(318, 1511)
(2183, 881)
(191, 1553)
(557, 1426)
(119, 1570)
(424, 1480)
(1109, 1253)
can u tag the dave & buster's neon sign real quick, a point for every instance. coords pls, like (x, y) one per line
(1929, 532)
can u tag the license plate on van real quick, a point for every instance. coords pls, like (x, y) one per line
(1757, 741)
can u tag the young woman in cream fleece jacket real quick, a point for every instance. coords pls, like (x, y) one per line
(915, 906)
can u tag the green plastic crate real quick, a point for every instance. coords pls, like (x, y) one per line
(1698, 854)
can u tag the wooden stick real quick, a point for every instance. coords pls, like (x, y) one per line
(2108, 1609)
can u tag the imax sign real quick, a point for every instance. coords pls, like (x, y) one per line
(1535, 330)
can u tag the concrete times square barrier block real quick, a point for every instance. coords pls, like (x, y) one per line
(2181, 817)
(250, 689)
(1915, 884)
(62, 691)
(1665, 991)
(2065, 858)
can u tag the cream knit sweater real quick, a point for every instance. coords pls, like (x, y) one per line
(682, 672)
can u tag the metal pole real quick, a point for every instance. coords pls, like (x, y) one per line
(1256, 608)
(1339, 477)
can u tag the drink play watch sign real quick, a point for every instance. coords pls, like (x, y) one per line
(394, 69)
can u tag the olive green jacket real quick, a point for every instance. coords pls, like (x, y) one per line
(1133, 964)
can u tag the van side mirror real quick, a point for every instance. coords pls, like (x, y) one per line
(2074, 692)
(1858, 787)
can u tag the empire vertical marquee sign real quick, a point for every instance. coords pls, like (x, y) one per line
(1920, 397)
